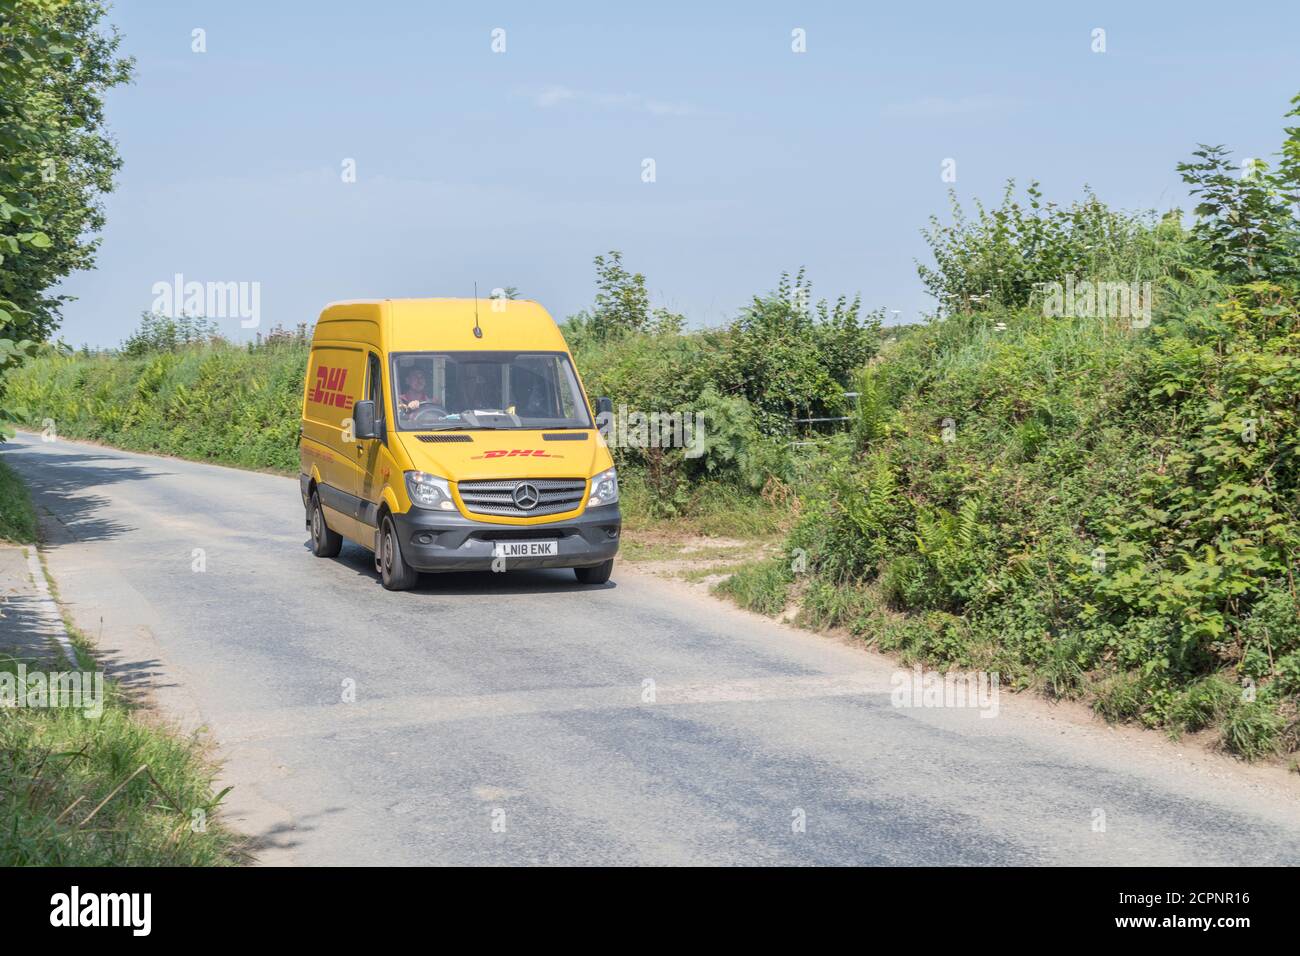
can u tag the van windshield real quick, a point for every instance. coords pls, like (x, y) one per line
(444, 391)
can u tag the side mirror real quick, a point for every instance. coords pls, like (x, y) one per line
(604, 406)
(363, 420)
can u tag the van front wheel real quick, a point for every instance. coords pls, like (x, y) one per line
(595, 575)
(324, 542)
(396, 574)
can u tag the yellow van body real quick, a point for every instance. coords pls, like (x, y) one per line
(497, 489)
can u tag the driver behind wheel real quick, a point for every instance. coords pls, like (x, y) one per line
(415, 389)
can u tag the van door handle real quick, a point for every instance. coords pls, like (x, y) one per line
(361, 449)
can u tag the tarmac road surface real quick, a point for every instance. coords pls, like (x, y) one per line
(523, 718)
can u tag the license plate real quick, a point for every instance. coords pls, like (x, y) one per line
(525, 549)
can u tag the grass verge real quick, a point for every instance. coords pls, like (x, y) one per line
(106, 790)
(17, 517)
(761, 586)
(1245, 727)
(97, 784)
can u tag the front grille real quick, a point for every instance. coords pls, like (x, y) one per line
(524, 534)
(496, 497)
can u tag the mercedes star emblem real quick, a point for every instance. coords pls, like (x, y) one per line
(526, 496)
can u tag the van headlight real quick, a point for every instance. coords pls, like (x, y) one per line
(429, 491)
(604, 489)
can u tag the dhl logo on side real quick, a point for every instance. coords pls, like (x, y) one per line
(329, 388)
(515, 453)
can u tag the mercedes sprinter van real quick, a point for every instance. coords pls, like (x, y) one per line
(454, 435)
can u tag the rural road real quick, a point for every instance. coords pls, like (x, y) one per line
(507, 718)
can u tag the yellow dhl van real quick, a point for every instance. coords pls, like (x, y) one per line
(454, 434)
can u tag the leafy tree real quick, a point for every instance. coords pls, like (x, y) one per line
(622, 303)
(56, 158)
(622, 306)
(1246, 218)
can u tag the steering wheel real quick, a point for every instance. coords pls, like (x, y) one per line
(428, 413)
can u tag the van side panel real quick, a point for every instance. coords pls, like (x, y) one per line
(335, 378)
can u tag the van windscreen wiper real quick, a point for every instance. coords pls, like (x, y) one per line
(471, 428)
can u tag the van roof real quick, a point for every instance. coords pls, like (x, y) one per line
(435, 324)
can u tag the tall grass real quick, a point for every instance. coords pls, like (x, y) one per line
(213, 402)
(17, 518)
(105, 791)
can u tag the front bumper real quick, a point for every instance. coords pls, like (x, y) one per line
(440, 541)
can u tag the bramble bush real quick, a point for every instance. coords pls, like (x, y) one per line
(784, 356)
(999, 258)
(1077, 503)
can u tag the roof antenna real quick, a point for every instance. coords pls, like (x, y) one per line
(478, 333)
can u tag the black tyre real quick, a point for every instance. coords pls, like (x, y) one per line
(595, 575)
(324, 542)
(396, 574)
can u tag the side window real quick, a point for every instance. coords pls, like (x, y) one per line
(568, 396)
(375, 385)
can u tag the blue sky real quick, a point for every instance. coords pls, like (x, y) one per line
(516, 168)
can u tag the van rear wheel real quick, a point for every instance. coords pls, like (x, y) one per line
(324, 542)
(595, 575)
(396, 574)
